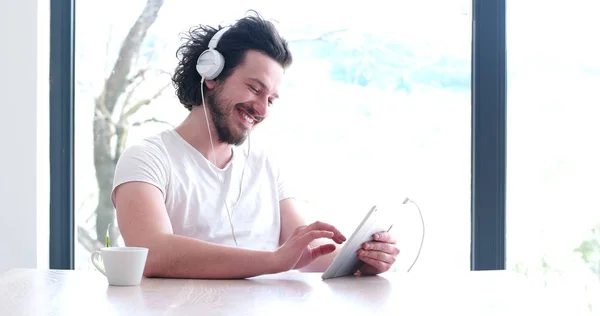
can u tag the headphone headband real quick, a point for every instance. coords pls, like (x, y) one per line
(214, 41)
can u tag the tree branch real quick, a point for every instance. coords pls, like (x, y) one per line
(129, 96)
(139, 74)
(151, 120)
(122, 132)
(164, 72)
(116, 82)
(90, 244)
(136, 107)
(104, 116)
(321, 37)
(122, 129)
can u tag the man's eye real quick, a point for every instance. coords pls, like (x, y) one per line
(253, 89)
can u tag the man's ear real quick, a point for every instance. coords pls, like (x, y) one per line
(210, 84)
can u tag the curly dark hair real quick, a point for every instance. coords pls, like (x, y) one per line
(249, 33)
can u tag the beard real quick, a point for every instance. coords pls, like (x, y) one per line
(221, 111)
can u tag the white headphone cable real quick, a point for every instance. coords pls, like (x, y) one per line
(215, 165)
(422, 234)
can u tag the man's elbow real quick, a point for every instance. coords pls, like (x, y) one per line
(154, 266)
(152, 270)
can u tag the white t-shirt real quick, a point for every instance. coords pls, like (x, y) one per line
(193, 195)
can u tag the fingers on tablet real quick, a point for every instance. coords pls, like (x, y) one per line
(384, 237)
(338, 237)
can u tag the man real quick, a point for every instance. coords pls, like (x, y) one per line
(203, 206)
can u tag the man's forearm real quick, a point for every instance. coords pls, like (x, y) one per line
(175, 256)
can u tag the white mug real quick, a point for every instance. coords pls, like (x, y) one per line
(122, 266)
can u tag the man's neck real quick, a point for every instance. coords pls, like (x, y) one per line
(194, 131)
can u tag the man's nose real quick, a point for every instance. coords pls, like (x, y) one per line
(262, 107)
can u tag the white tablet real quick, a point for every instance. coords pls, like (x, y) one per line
(347, 261)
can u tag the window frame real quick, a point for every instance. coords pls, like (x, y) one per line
(488, 139)
(488, 132)
(62, 44)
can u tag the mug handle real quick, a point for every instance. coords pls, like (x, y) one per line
(95, 255)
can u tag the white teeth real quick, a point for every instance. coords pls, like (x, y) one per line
(247, 118)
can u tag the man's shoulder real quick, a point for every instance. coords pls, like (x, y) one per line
(154, 146)
(145, 160)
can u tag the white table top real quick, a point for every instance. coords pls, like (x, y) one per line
(56, 292)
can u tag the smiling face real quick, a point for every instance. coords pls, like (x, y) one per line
(243, 100)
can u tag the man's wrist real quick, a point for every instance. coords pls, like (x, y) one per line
(271, 262)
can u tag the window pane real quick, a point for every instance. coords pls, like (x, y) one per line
(553, 211)
(376, 107)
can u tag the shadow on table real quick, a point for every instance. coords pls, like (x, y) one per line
(280, 288)
(361, 289)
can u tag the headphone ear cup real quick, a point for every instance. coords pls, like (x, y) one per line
(210, 64)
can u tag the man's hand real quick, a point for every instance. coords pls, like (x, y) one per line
(296, 253)
(378, 255)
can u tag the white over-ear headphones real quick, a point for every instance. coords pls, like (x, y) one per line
(211, 62)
